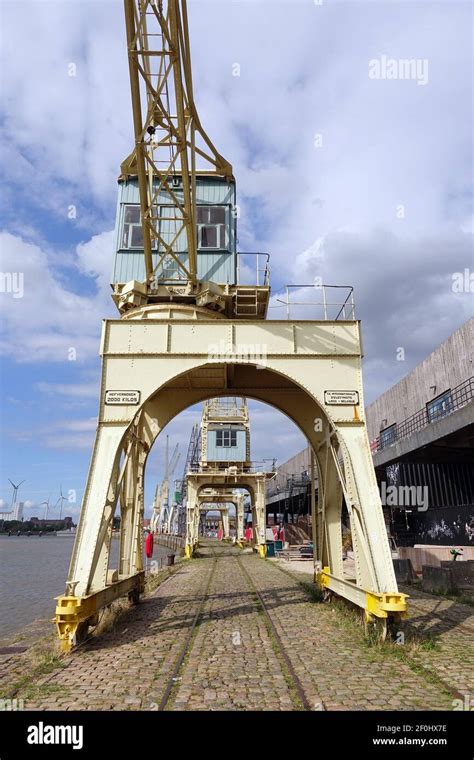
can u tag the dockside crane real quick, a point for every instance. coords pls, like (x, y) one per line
(185, 320)
(162, 509)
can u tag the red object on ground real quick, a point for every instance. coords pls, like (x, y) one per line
(220, 534)
(149, 546)
(248, 534)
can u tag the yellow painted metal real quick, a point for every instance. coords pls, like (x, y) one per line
(381, 605)
(322, 577)
(72, 612)
(166, 126)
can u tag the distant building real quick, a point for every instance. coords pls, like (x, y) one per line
(65, 522)
(422, 440)
(289, 493)
(15, 514)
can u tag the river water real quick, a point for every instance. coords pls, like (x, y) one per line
(33, 571)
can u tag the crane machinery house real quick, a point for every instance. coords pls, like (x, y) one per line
(215, 232)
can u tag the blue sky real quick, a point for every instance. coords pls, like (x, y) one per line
(324, 156)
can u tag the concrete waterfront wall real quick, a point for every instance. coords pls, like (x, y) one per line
(404, 571)
(451, 577)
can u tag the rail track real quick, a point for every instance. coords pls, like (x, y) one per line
(296, 689)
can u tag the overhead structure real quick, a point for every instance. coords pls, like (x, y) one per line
(215, 499)
(225, 462)
(189, 331)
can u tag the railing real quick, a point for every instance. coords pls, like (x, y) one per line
(294, 486)
(328, 302)
(460, 396)
(226, 407)
(254, 273)
(229, 468)
(170, 541)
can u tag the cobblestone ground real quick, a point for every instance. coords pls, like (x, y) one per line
(235, 662)
(128, 667)
(330, 655)
(450, 627)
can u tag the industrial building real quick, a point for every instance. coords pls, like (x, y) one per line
(15, 512)
(422, 442)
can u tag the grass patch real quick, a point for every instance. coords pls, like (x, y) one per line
(407, 653)
(40, 661)
(34, 692)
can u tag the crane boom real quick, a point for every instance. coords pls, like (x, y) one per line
(167, 131)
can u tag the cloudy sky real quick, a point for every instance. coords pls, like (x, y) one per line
(343, 172)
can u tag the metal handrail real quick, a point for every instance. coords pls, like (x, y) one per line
(461, 395)
(238, 467)
(264, 270)
(331, 307)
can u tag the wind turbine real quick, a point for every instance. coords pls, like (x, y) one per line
(15, 491)
(60, 501)
(47, 507)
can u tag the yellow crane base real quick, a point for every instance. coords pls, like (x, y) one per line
(74, 614)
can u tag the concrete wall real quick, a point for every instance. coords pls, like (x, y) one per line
(294, 466)
(448, 366)
(432, 555)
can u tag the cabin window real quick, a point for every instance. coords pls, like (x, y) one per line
(226, 438)
(211, 227)
(132, 236)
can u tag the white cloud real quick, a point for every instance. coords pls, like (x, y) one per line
(303, 72)
(70, 390)
(50, 319)
(58, 434)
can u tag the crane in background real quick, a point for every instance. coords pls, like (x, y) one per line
(162, 509)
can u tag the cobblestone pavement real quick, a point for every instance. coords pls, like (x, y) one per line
(127, 668)
(331, 657)
(449, 625)
(234, 661)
